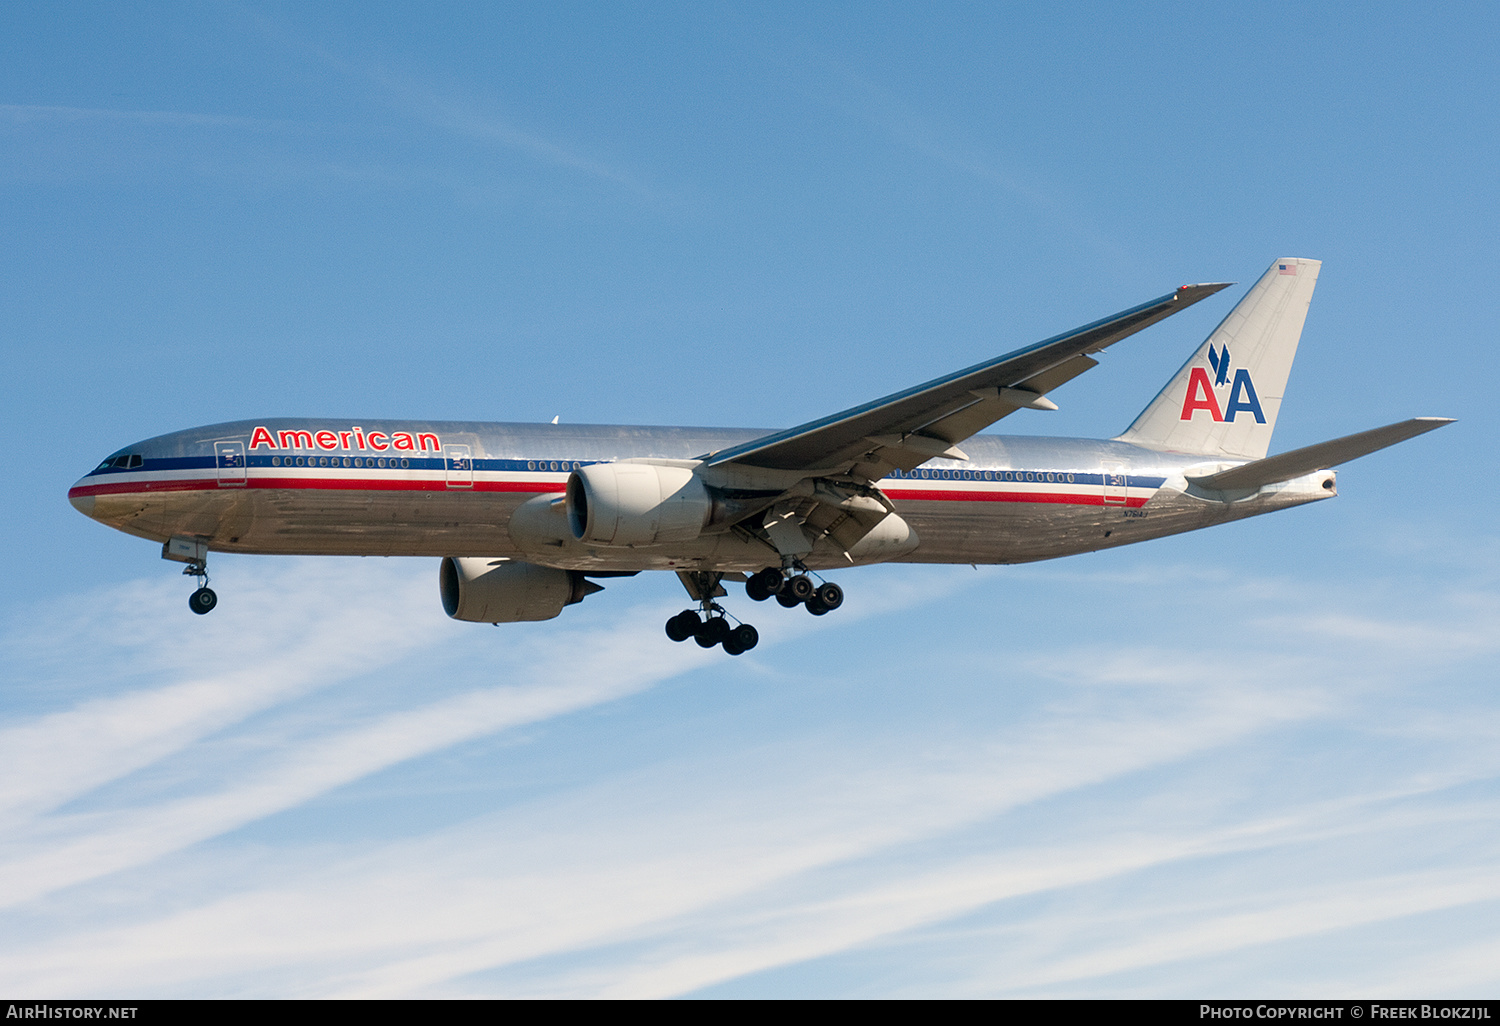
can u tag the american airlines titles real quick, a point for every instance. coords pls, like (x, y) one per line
(1200, 391)
(354, 438)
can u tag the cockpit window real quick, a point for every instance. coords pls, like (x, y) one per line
(129, 461)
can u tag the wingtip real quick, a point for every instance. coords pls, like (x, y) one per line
(1193, 293)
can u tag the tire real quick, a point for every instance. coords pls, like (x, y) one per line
(787, 599)
(202, 601)
(767, 582)
(831, 595)
(683, 625)
(756, 589)
(801, 587)
(711, 632)
(815, 606)
(744, 637)
(732, 647)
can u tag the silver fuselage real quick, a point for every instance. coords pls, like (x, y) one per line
(385, 488)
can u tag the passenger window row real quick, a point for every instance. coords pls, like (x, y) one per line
(986, 475)
(333, 461)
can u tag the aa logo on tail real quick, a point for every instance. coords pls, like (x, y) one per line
(1201, 395)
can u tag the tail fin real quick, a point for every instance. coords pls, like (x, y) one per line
(1225, 399)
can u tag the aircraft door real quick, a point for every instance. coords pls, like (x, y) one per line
(1114, 484)
(229, 457)
(460, 466)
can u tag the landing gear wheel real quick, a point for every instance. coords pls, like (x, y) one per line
(763, 585)
(202, 601)
(741, 640)
(683, 626)
(711, 632)
(830, 595)
(801, 587)
(787, 599)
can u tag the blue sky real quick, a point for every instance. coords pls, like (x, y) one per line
(1260, 759)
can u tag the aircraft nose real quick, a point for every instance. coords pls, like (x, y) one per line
(81, 502)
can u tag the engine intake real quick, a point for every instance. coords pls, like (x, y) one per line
(636, 504)
(506, 590)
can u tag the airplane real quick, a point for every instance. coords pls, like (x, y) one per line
(527, 518)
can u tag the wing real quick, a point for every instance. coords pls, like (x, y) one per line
(907, 429)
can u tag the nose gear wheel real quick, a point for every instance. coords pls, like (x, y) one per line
(205, 598)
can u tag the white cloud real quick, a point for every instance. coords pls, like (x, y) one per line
(271, 642)
(759, 826)
(299, 642)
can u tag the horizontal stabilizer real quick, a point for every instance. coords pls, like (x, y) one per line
(1289, 465)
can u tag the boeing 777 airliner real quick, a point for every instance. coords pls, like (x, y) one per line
(526, 518)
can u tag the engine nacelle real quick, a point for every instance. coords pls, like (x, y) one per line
(506, 591)
(636, 504)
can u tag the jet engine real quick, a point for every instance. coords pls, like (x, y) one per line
(506, 591)
(636, 504)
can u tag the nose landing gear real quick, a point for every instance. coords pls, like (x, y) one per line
(193, 552)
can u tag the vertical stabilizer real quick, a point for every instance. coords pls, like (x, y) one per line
(1225, 399)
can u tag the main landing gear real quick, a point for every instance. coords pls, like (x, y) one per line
(798, 590)
(712, 628)
(709, 625)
